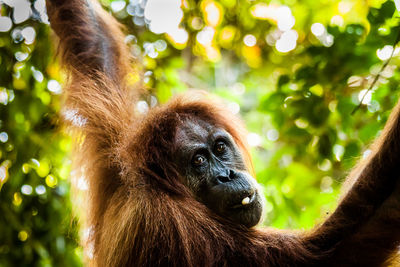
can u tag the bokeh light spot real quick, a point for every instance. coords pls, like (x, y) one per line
(3, 137)
(213, 13)
(26, 168)
(385, 52)
(22, 10)
(325, 165)
(5, 24)
(272, 135)
(23, 235)
(250, 40)
(3, 174)
(338, 150)
(29, 34)
(51, 181)
(318, 29)
(54, 87)
(21, 56)
(26, 189)
(117, 6)
(40, 189)
(365, 96)
(286, 20)
(205, 36)
(301, 123)
(142, 107)
(164, 15)
(254, 139)
(179, 35)
(287, 41)
(344, 7)
(234, 107)
(337, 20)
(17, 199)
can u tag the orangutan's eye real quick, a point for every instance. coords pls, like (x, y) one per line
(198, 160)
(220, 147)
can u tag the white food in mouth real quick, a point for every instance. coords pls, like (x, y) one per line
(245, 201)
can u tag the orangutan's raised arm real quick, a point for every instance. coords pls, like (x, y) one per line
(90, 38)
(99, 104)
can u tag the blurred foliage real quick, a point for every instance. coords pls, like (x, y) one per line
(294, 70)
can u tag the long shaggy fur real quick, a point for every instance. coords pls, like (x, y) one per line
(142, 215)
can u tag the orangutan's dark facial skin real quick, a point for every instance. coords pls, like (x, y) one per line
(213, 169)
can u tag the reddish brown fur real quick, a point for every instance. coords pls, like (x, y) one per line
(142, 215)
